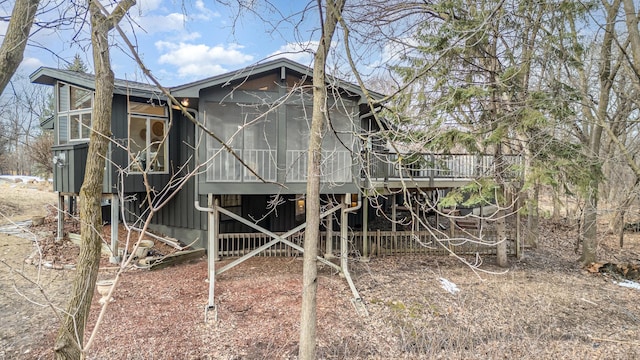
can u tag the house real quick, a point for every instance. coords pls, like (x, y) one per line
(263, 113)
(246, 196)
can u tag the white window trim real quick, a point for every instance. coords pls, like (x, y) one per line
(69, 113)
(148, 119)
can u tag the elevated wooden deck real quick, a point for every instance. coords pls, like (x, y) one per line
(428, 170)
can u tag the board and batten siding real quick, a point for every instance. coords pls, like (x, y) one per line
(278, 150)
(179, 217)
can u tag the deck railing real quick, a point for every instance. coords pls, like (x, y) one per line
(380, 243)
(440, 166)
(335, 167)
(224, 167)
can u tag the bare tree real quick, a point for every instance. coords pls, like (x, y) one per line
(69, 341)
(15, 41)
(308, 321)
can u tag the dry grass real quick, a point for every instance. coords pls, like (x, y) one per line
(544, 307)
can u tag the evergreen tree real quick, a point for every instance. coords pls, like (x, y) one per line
(77, 65)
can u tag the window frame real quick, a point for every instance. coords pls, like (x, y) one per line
(67, 112)
(150, 119)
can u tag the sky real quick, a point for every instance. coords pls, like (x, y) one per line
(181, 41)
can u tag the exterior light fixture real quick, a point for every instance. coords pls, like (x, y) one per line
(185, 102)
(300, 205)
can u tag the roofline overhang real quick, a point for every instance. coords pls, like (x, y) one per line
(50, 76)
(193, 89)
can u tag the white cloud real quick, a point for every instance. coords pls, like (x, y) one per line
(162, 23)
(299, 52)
(145, 6)
(200, 59)
(30, 64)
(204, 13)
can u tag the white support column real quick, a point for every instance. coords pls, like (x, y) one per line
(115, 210)
(344, 227)
(60, 233)
(344, 252)
(212, 248)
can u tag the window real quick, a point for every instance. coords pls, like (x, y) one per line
(74, 113)
(251, 131)
(336, 150)
(147, 137)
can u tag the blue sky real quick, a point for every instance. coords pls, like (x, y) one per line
(183, 41)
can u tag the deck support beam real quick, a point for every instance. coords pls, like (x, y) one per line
(365, 229)
(115, 202)
(328, 253)
(215, 210)
(60, 230)
(344, 252)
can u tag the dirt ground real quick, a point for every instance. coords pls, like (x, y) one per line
(544, 307)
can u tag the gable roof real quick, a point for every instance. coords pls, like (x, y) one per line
(289, 66)
(48, 76)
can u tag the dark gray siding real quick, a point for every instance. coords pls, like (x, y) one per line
(216, 95)
(68, 173)
(178, 218)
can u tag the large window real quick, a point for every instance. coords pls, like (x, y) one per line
(337, 144)
(74, 113)
(251, 131)
(148, 137)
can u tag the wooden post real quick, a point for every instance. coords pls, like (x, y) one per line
(328, 253)
(344, 226)
(115, 257)
(518, 229)
(60, 234)
(378, 243)
(365, 229)
(393, 217)
(621, 229)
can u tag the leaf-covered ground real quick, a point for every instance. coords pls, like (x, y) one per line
(544, 307)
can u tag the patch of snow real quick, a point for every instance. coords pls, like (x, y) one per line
(23, 178)
(449, 286)
(629, 284)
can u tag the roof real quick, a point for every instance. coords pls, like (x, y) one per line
(48, 123)
(193, 89)
(49, 76)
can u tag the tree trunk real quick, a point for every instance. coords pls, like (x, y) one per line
(589, 229)
(69, 342)
(15, 40)
(501, 228)
(312, 233)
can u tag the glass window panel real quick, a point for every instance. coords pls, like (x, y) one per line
(80, 98)
(260, 130)
(157, 148)
(74, 127)
(63, 131)
(86, 125)
(260, 142)
(298, 125)
(149, 109)
(138, 142)
(225, 120)
(63, 97)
